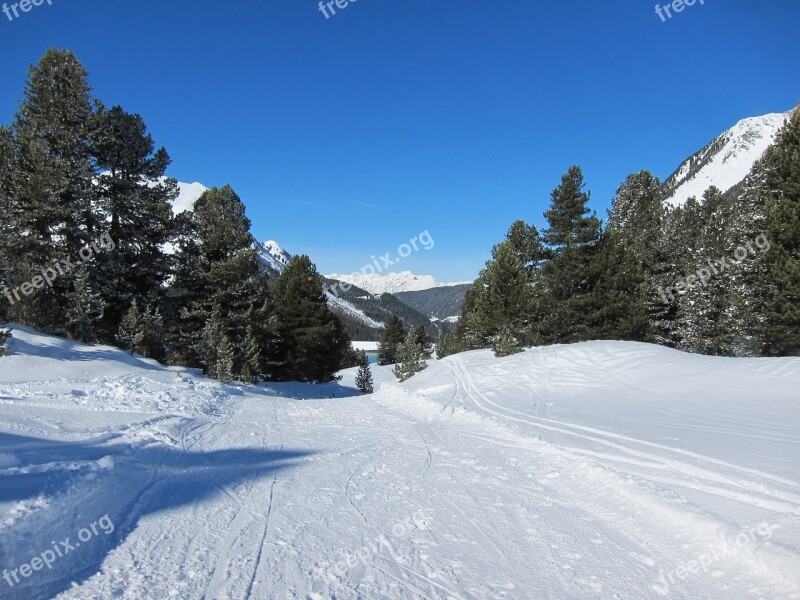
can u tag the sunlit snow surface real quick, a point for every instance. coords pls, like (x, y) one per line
(597, 470)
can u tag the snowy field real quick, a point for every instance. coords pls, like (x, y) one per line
(600, 470)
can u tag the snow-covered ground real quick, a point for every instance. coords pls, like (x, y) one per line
(598, 470)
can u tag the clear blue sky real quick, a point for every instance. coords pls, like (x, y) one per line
(347, 136)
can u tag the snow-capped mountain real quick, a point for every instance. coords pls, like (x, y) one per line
(391, 283)
(272, 255)
(727, 160)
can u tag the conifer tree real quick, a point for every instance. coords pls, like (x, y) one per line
(409, 358)
(311, 341)
(779, 330)
(216, 266)
(364, 375)
(134, 202)
(84, 308)
(225, 359)
(502, 308)
(5, 342)
(572, 239)
(424, 341)
(50, 214)
(637, 234)
(252, 361)
(392, 336)
(129, 328)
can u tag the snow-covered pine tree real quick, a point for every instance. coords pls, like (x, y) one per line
(409, 358)
(637, 222)
(364, 376)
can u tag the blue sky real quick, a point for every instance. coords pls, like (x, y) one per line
(348, 136)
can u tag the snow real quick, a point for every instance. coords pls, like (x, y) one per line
(366, 346)
(733, 155)
(596, 470)
(334, 301)
(273, 255)
(391, 283)
(188, 195)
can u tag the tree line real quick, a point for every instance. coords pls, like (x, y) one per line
(187, 289)
(719, 275)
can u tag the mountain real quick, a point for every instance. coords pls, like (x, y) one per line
(364, 314)
(437, 303)
(273, 256)
(391, 283)
(726, 161)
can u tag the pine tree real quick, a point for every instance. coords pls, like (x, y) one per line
(50, 215)
(502, 310)
(572, 240)
(252, 362)
(409, 358)
(135, 204)
(225, 358)
(779, 330)
(311, 343)
(364, 375)
(216, 266)
(84, 308)
(5, 342)
(392, 336)
(637, 233)
(424, 341)
(129, 328)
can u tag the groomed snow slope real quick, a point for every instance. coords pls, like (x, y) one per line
(599, 470)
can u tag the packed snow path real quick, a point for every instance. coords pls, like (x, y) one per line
(601, 470)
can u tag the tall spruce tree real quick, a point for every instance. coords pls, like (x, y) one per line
(572, 238)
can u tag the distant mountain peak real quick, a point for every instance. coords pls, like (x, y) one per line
(391, 283)
(727, 160)
(273, 255)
